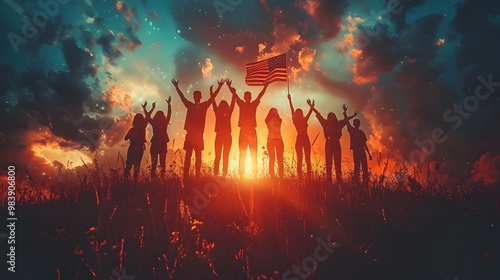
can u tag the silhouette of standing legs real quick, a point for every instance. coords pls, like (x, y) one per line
(248, 138)
(360, 162)
(197, 163)
(298, 150)
(218, 153)
(303, 148)
(193, 142)
(275, 149)
(163, 159)
(225, 157)
(187, 162)
(307, 154)
(222, 148)
(333, 155)
(154, 163)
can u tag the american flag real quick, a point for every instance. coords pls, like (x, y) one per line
(271, 69)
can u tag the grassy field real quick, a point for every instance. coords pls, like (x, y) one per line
(105, 228)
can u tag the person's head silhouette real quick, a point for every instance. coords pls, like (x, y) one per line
(159, 116)
(247, 96)
(274, 112)
(223, 105)
(138, 119)
(299, 113)
(331, 118)
(356, 123)
(197, 96)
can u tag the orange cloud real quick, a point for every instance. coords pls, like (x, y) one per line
(207, 68)
(351, 23)
(305, 58)
(118, 96)
(239, 49)
(310, 6)
(485, 169)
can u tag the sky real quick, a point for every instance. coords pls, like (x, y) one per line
(422, 74)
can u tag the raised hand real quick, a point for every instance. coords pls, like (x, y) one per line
(175, 82)
(289, 96)
(144, 105)
(154, 105)
(229, 83)
(344, 107)
(168, 99)
(310, 103)
(221, 82)
(356, 113)
(212, 90)
(266, 83)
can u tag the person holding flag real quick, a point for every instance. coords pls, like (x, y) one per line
(260, 73)
(247, 122)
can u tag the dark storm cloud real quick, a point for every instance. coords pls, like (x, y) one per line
(409, 101)
(478, 55)
(199, 23)
(399, 19)
(79, 61)
(108, 45)
(57, 100)
(87, 37)
(328, 17)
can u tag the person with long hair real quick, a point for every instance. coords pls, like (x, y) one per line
(275, 145)
(332, 130)
(160, 138)
(137, 137)
(223, 139)
(302, 143)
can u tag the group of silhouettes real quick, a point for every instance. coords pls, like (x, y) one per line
(195, 127)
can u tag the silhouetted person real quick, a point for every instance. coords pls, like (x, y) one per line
(274, 141)
(247, 123)
(302, 143)
(195, 126)
(160, 138)
(223, 139)
(332, 129)
(137, 137)
(358, 147)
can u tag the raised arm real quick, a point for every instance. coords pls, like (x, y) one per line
(231, 106)
(344, 108)
(261, 93)
(179, 92)
(233, 91)
(212, 99)
(290, 103)
(214, 94)
(169, 109)
(313, 109)
(310, 109)
(348, 118)
(147, 114)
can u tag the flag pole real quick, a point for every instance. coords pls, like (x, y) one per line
(287, 74)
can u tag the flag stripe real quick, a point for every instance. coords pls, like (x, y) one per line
(272, 69)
